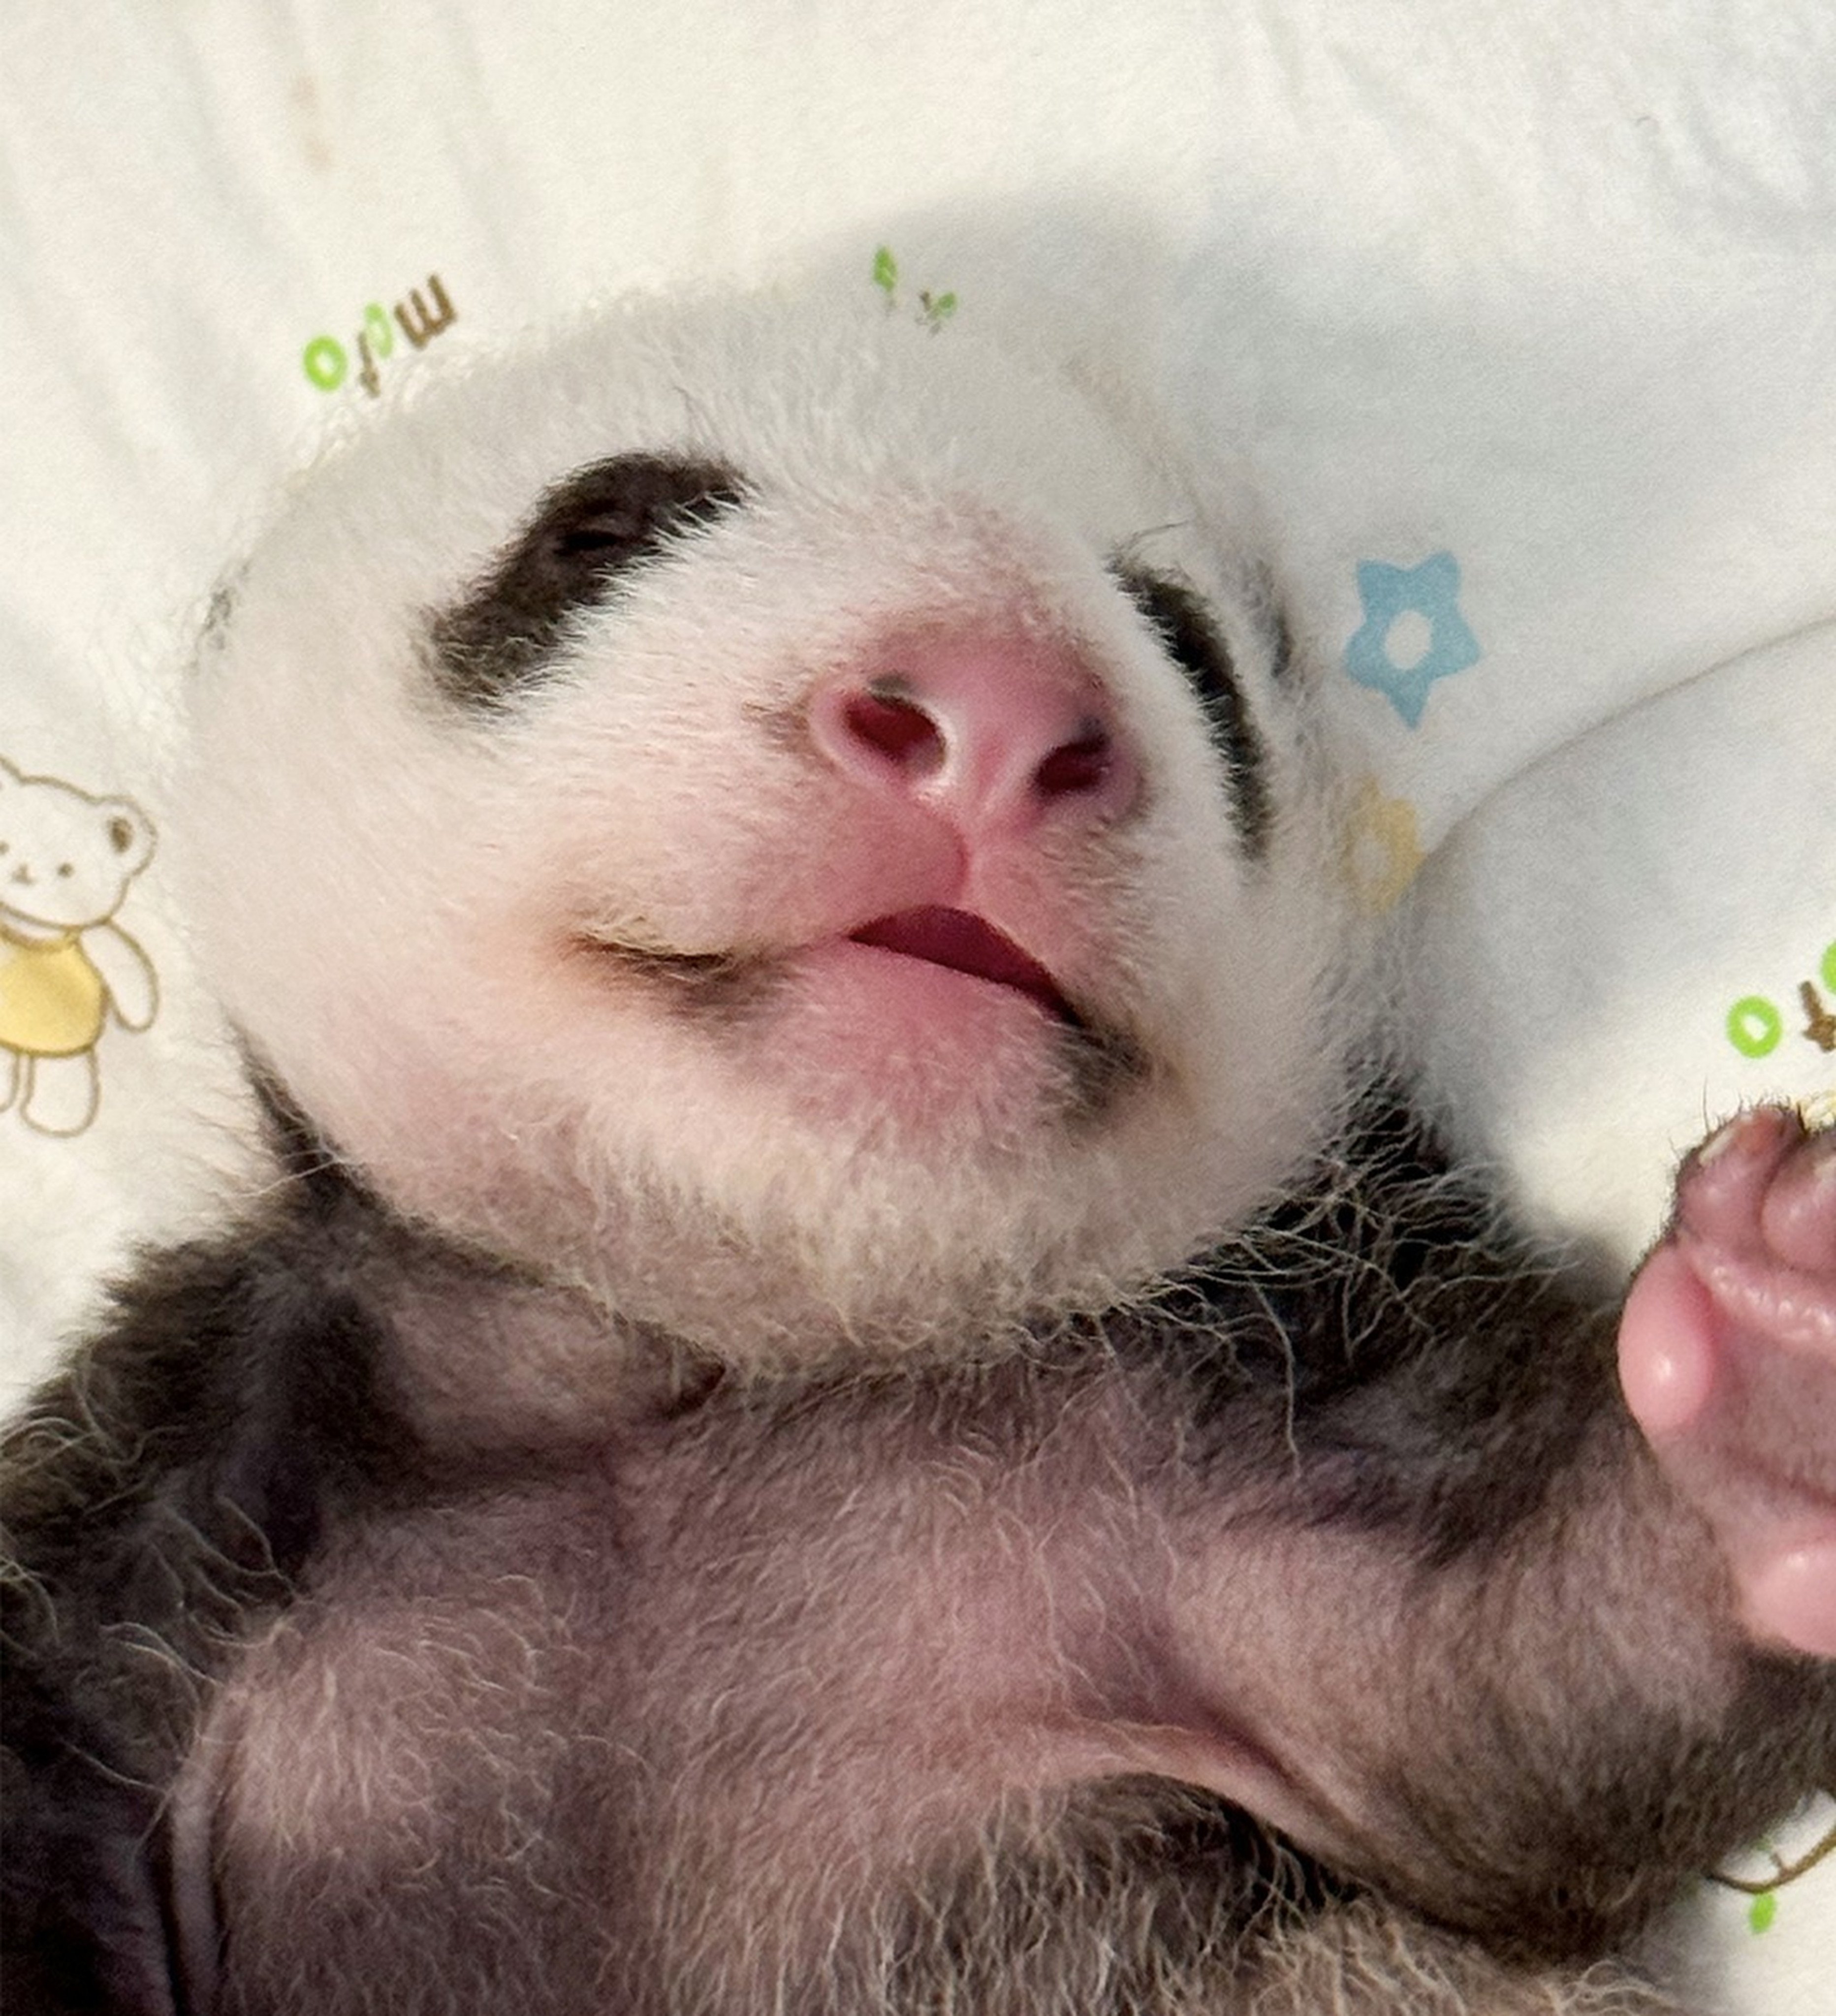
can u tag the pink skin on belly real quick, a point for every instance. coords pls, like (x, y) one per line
(1727, 1353)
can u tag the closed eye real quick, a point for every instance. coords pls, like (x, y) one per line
(1182, 625)
(585, 533)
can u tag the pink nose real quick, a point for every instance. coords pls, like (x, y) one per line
(1000, 736)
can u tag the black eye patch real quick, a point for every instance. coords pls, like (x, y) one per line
(1190, 638)
(586, 532)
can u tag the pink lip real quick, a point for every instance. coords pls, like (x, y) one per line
(965, 944)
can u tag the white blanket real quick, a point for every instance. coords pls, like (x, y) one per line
(1521, 320)
(1538, 337)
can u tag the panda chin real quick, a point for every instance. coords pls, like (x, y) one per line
(861, 1034)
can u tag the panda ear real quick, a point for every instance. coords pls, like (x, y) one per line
(130, 833)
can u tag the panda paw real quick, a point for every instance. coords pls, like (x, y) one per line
(1727, 1356)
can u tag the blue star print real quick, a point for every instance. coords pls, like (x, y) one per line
(1432, 591)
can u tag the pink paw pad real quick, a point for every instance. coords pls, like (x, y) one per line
(1727, 1355)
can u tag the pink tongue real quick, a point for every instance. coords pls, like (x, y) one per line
(966, 944)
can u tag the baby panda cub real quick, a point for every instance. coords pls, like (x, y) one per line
(835, 1405)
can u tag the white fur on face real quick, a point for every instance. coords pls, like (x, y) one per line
(573, 977)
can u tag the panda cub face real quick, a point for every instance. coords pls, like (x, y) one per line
(777, 818)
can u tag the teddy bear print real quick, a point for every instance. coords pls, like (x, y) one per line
(66, 861)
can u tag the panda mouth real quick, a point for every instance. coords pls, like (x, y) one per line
(963, 942)
(935, 935)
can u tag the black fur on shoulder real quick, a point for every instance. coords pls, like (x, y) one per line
(1361, 1300)
(161, 1492)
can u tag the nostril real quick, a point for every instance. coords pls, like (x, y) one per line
(1081, 764)
(991, 733)
(885, 719)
